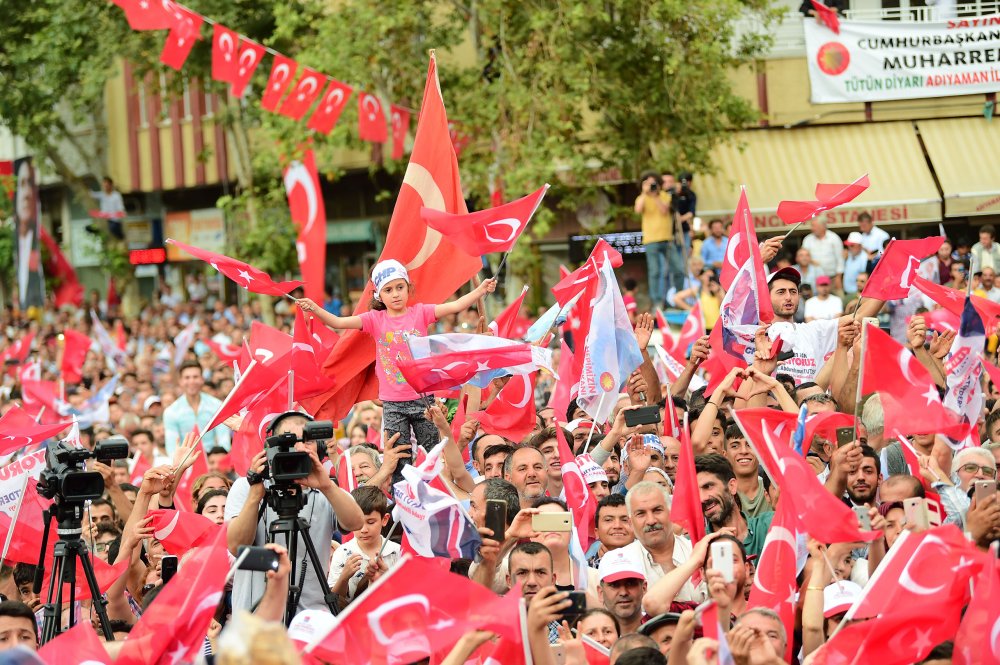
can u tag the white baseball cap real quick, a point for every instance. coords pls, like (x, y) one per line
(150, 401)
(839, 596)
(591, 470)
(853, 238)
(386, 271)
(648, 440)
(619, 565)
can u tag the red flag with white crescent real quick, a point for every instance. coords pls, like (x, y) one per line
(305, 201)
(180, 41)
(251, 53)
(148, 14)
(303, 95)
(400, 119)
(224, 45)
(436, 267)
(330, 107)
(227, 353)
(282, 72)
(512, 414)
(774, 585)
(371, 119)
(486, 231)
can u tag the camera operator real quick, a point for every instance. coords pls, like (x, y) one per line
(685, 204)
(653, 204)
(325, 505)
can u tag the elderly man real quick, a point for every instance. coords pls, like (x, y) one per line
(827, 251)
(525, 468)
(656, 545)
(968, 466)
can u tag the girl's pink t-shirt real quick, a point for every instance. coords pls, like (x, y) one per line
(390, 334)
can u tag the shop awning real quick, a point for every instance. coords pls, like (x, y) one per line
(350, 230)
(779, 164)
(963, 153)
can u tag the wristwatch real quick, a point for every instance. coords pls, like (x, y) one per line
(254, 478)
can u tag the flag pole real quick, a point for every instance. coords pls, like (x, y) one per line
(593, 423)
(861, 377)
(13, 521)
(794, 229)
(386, 539)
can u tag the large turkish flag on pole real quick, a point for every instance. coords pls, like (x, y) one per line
(436, 267)
(305, 201)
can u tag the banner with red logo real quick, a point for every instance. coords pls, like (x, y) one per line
(878, 61)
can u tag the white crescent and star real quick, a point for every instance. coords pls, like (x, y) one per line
(307, 86)
(913, 586)
(250, 56)
(334, 99)
(421, 180)
(777, 534)
(375, 105)
(296, 176)
(281, 72)
(227, 46)
(510, 222)
(527, 393)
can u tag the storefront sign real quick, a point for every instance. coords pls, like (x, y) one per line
(877, 61)
(204, 229)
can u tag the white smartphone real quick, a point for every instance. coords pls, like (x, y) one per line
(915, 511)
(864, 520)
(722, 559)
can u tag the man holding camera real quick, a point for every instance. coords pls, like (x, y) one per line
(657, 236)
(324, 505)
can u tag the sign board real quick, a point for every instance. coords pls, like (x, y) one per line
(629, 242)
(879, 61)
(85, 248)
(205, 229)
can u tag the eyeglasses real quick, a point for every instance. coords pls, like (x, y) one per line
(990, 471)
(821, 398)
(102, 547)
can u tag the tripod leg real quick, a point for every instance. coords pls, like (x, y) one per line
(69, 568)
(53, 608)
(294, 591)
(96, 599)
(329, 597)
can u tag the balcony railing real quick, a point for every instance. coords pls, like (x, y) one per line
(789, 39)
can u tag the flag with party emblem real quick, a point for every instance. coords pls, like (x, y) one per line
(965, 388)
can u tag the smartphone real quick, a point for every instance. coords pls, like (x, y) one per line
(579, 606)
(168, 567)
(915, 512)
(722, 558)
(844, 436)
(864, 521)
(259, 558)
(644, 415)
(985, 489)
(870, 319)
(552, 522)
(496, 518)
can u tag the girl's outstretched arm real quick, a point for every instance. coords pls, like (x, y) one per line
(466, 301)
(328, 319)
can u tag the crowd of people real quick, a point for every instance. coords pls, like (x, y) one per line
(645, 582)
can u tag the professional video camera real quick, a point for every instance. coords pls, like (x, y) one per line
(65, 477)
(284, 463)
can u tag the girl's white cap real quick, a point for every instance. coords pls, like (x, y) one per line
(386, 271)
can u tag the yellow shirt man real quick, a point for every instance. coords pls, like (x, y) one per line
(657, 225)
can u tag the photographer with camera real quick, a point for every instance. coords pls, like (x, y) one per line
(321, 505)
(653, 204)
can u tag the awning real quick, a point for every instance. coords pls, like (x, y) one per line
(350, 230)
(779, 164)
(964, 152)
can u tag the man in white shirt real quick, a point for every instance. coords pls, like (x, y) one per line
(810, 344)
(827, 251)
(823, 306)
(987, 282)
(111, 205)
(873, 238)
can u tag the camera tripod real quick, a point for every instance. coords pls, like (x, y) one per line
(67, 551)
(287, 505)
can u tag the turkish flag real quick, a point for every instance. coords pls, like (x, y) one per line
(827, 196)
(436, 267)
(69, 291)
(305, 201)
(345, 471)
(303, 94)
(181, 531)
(282, 71)
(579, 499)
(940, 320)
(174, 627)
(896, 271)
(447, 370)
(371, 118)
(243, 274)
(185, 32)
(185, 484)
(829, 18)
(505, 323)
(139, 469)
(74, 352)
(148, 14)
(251, 54)
(224, 46)
(267, 345)
(686, 506)
(332, 105)
(418, 610)
(77, 645)
(18, 349)
(400, 127)
(18, 429)
(719, 362)
(743, 247)
(486, 231)
(910, 399)
(512, 414)
(249, 439)
(255, 382)
(692, 330)
(774, 585)
(26, 540)
(978, 638)
(561, 393)
(953, 301)
(769, 433)
(227, 353)
(37, 394)
(307, 353)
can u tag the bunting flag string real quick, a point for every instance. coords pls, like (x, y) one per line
(293, 90)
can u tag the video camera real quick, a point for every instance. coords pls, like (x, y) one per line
(65, 476)
(284, 463)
